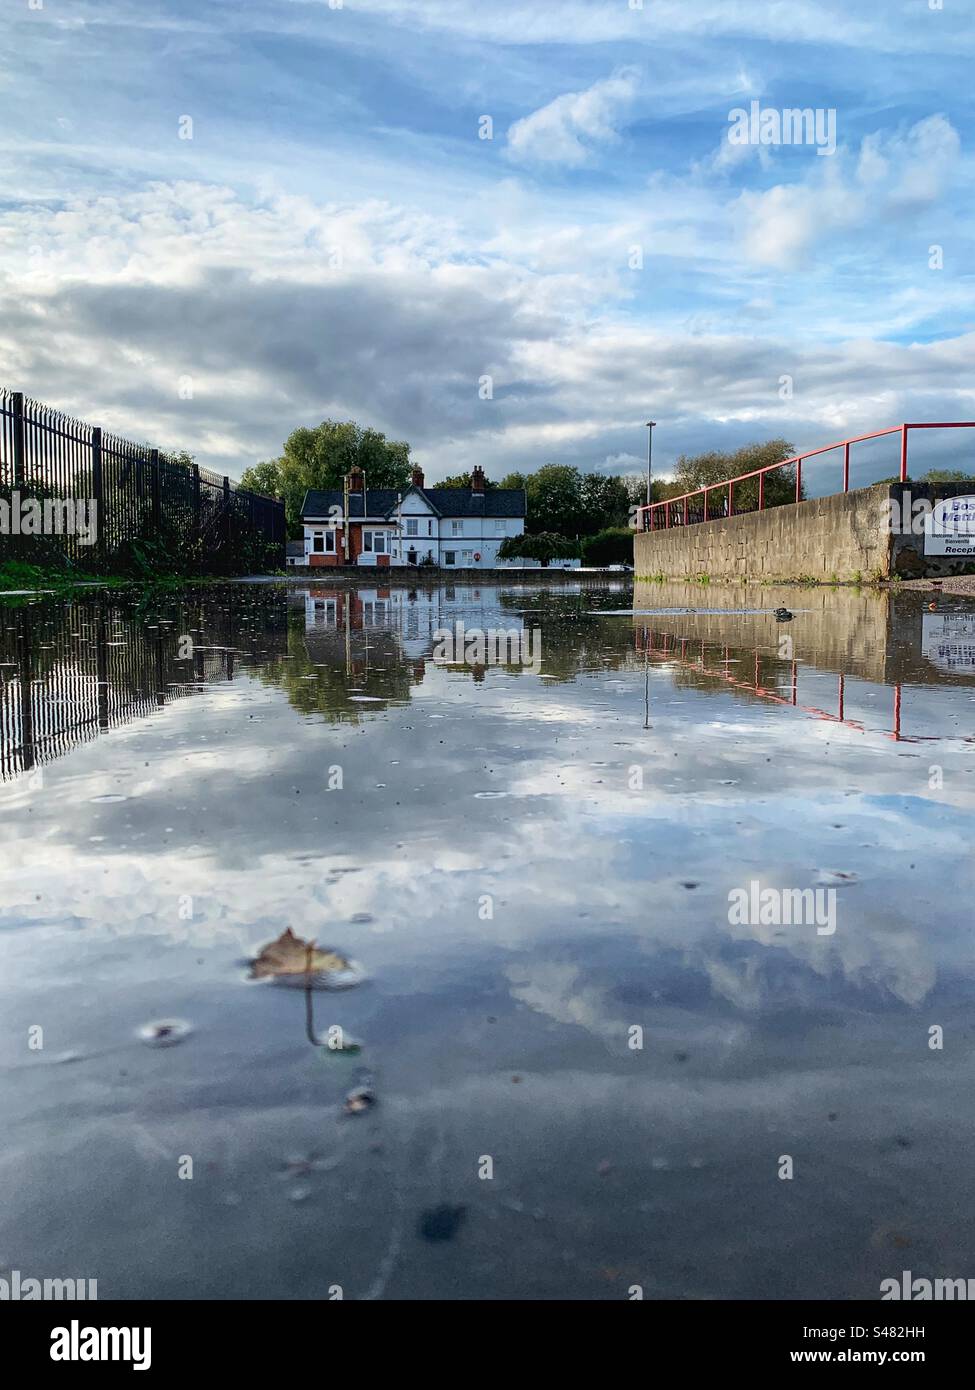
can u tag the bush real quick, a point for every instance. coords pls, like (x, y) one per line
(543, 547)
(614, 546)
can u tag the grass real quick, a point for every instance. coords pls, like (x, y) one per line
(17, 576)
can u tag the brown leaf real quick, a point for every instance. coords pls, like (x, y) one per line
(290, 955)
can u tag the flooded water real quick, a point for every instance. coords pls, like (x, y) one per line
(573, 1068)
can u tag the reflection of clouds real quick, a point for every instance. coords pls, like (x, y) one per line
(232, 813)
(561, 993)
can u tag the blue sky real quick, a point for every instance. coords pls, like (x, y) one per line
(337, 240)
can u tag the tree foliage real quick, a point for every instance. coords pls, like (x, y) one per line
(463, 480)
(716, 466)
(614, 546)
(320, 458)
(542, 546)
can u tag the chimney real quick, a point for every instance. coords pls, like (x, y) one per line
(477, 479)
(417, 476)
(356, 480)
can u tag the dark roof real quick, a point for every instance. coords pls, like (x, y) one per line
(296, 548)
(446, 501)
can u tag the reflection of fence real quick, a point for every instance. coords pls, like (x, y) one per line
(692, 654)
(63, 683)
(695, 506)
(141, 495)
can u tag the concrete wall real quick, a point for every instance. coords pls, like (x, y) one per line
(844, 536)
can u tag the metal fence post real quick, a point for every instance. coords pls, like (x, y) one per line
(98, 489)
(156, 490)
(228, 531)
(156, 487)
(17, 408)
(846, 468)
(798, 480)
(904, 429)
(196, 506)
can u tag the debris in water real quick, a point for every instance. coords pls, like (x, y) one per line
(360, 1100)
(836, 877)
(165, 1032)
(441, 1223)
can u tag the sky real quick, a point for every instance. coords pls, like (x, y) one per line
(507, 231)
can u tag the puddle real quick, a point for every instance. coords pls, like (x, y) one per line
(608, 985)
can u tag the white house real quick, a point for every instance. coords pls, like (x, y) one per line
(455, 528)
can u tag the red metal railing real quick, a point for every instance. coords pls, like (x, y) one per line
(677, 511)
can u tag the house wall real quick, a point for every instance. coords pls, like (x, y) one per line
(436, 535)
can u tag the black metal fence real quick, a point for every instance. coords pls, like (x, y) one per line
(107, 505)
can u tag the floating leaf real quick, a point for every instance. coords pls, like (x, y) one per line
(291, 956)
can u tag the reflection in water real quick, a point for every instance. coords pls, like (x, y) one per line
(528, 865)
(71, 671)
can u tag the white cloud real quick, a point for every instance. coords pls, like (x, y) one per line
(892, 176)
(566, 130)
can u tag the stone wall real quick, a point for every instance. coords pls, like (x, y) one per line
(845, 536)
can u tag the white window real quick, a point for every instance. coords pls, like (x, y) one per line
(457, 528)
(323, 542)
(429, 528)
(413, 527)
(468, 556)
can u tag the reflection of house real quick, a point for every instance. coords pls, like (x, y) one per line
(295, 554)
(413, 615)
(452, 527)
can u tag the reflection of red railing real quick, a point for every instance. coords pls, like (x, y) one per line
(674, 648)
(677, 511)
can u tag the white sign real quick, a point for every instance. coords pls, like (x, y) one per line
(950, 528)
(948, 640)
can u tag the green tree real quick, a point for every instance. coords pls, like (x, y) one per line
(716, 466)
(263, 478)
(944, 475)
(554, 500)
(605, 503)
(514, 480)
(613, 546)
(464, 480)
(542, 546)
(321, 456)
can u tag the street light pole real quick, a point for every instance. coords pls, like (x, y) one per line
(650, 425)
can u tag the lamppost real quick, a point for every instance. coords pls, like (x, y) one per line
(650, 425)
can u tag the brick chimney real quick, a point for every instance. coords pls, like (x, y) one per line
(477, 479)
(356, 480)
(416, 478)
